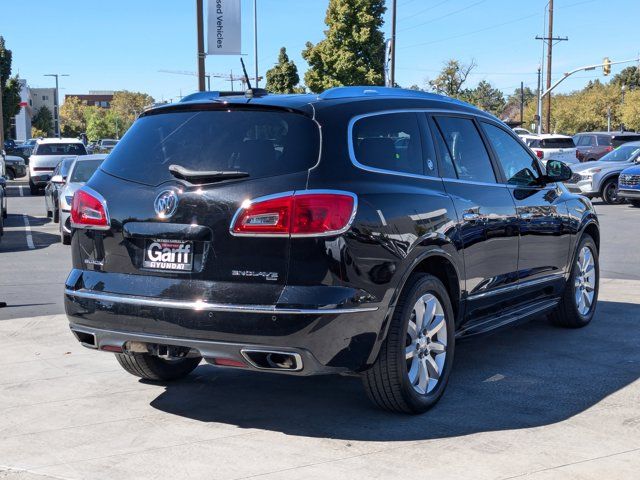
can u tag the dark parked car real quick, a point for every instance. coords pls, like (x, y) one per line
(363, 231)
(591, 146)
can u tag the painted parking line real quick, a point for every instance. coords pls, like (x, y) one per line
(21, 192)
(27, 229)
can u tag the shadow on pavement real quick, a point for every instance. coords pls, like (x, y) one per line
(15, 240)
(532, 375)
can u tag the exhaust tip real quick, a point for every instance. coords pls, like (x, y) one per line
(86, 339)
(273, 360)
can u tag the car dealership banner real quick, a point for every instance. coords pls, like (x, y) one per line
(223, 22)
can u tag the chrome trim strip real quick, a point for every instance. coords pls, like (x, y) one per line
(103, 201)
(209, 307)
(517, 286)
(248, 202)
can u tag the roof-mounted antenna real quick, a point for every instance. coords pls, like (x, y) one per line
(246, 77)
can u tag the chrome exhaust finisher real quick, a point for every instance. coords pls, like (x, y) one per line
(273, 360)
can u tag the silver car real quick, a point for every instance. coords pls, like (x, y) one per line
(600, 179)
(79, 173)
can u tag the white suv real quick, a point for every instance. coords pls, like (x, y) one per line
(46, 156)
(552, 147)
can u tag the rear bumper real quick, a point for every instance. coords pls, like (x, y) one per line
(329, 340)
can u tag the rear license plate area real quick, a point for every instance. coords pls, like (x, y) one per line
(168, 255)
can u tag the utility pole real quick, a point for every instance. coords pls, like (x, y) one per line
(549, 39)
(255, 36)
(201, 52)
(56, 103)
(1, 116)
(521, 103)
(539, 109)
(392, 68)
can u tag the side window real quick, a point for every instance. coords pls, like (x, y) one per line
(583, 141)
(603, 140)
(466, 149)
(390, 142)
(519, 167)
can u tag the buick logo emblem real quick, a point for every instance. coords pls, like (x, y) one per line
(166, 203)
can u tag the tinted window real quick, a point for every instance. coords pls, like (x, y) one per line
(604, 140)
(60, 149)
(65, 165)
(557, 143)
(83, 170)
(261, 143)
(621, 139)
(622, 154)
(585, 141)
(466, 149)
(392, 142)
(518, 165)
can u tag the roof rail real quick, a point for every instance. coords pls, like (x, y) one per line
(371, 91)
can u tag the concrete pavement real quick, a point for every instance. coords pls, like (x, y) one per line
(532, 401)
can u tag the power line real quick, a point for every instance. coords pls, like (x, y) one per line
(444, 16)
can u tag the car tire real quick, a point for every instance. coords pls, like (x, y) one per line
(65, 238)
(150, 367)
(56, 215)
(635, 203)
(33, 190)
(11, 175)
(569, 312)
(396, 382)
(610, 192)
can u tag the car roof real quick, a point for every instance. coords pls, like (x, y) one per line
(58, 140)
(552, 135)
(97, 156)
(613, 134)
(309, 103)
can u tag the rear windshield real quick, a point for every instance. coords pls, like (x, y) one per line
(83, 170)
(261, 143)
(109, 143)
(557, 143)
(60, 149)
(620, 139)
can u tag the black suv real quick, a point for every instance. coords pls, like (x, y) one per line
(363, 230)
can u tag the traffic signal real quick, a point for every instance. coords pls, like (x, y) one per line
(606, 66)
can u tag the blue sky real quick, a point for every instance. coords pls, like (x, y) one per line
(118, 44)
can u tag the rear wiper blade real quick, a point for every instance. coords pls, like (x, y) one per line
(205, 175)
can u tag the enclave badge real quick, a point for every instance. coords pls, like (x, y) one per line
(166, 203)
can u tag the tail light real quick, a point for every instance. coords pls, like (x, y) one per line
(296, 214)
(609, 149)
(89, 210)
(539, 154)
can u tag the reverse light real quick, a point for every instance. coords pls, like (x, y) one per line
(296, 214)
(89, 210)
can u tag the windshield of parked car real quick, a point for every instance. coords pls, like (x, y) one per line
(83, 169)
(108, 143)
(260, 143)
(60, 149)
(622, 154)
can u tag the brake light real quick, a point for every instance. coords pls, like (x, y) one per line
(609, 148)
(88, 210)
(308, 213)
(539, 154)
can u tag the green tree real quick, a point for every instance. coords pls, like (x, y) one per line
(629, 77)
(630, 110)
(353, 51)
(452, 77)
(43, 120)
(9, 88)
(486, 98)
(283, 77)
(126, 106)
(99, 124)
(72, 117)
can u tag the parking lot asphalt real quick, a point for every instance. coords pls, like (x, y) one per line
(532, 401)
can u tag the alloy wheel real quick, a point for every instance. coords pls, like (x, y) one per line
(585, 281)
(426, 344)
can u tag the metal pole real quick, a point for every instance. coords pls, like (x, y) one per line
(208, 83)
(392, 68)
(1, 117)
(255, 36)
(201, 53)
(521, 103)
(539, 109)
(56, 106)
(549, 58)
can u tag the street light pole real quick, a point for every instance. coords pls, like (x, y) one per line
(56, 103)
(255, 37)
(201, 53)
(392, 67)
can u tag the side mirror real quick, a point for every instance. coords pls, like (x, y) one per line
(557, 171)
(57, 179)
